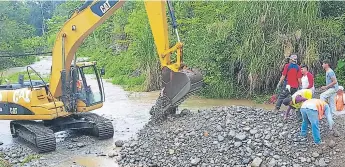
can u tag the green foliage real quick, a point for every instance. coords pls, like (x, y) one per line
(13, 78)
(30, 158)
(20, 23)
(239, 46)
(4, 163)
(340, 72)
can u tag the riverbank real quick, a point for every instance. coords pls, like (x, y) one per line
(129, 112)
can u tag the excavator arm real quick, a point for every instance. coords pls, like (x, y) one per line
(178, 81)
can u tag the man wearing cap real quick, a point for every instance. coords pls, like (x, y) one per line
(313, 110)
(292, 73)
(295, 101)
(331, 87)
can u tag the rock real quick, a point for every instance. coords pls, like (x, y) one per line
(232, 133)
(237, 144)
(272, 163)
(315, 154)
(331, 143)
(276, 156)
(246, 128)
(256, 162)
(1, 143)
(296, 165)
(322, 162)
(302, 159)
(246, 160)
(194, 161)
(80, 145)
(171, 151)
(70, 146)
(220, 138)
(219, 128)
(119, 143)
(253, 131)
(253, 137)
(112, 154)
(241, 136)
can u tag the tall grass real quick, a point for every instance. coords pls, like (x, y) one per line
(245, 48)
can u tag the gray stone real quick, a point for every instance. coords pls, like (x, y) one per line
(256, 162)
(194, 161)
(220, 138)
(241, 136)
(237, 144)
(272, 163)
(322, 162)
(315, 154)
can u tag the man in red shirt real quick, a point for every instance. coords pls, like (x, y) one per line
(292, 75)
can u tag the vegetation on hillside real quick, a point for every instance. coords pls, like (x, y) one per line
(21, 28)
(239, 46)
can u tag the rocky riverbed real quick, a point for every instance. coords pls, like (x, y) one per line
(222, 136)
(231, 136)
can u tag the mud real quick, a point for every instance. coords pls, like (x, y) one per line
(129, 112)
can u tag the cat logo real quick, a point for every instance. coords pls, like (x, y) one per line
(21, 94)
(105, 7)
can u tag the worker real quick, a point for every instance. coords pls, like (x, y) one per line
(292, 73)
(331, 87)
(295, 101)
(340, 101)
(312, 111)
(307, 79)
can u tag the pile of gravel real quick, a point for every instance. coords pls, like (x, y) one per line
(225, 136)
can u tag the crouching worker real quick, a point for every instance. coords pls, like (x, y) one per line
(340, 101)
(295, 102)
(312, 111)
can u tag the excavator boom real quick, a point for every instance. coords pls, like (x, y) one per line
(178, 83)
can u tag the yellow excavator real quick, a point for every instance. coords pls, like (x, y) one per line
(37, 110)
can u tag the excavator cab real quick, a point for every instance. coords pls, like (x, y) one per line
(89, 84)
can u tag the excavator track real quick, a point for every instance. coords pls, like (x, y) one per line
(103, 127)
(41, 137)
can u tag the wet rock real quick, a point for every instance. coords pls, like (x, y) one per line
(80, 145)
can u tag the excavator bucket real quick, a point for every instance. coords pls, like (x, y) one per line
(178, 86)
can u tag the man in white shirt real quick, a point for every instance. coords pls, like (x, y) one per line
(307, 79)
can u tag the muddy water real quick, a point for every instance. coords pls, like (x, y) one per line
(129, 111)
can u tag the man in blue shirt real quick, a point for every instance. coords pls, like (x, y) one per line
(331, 87)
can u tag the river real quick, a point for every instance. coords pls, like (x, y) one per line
(129, 111)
